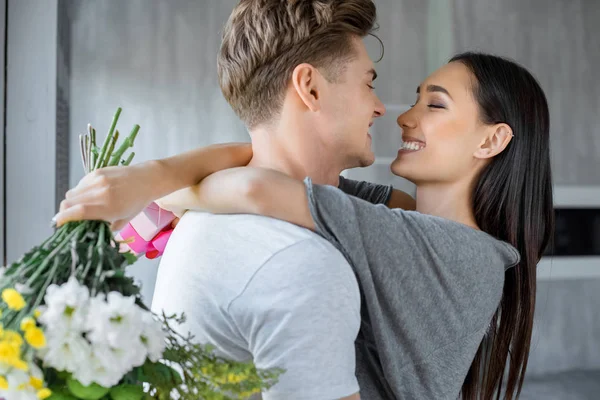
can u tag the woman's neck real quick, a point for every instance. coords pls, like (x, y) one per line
(449, 201)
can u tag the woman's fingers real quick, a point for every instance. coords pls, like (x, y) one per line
(118, 225)
(89, 204)
(110, 194)
(79, 212)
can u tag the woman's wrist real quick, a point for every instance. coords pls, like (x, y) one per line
(161, 179)
(165, 176)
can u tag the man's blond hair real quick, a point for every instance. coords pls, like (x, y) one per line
(264, 40)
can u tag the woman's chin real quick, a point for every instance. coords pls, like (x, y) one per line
(402, 169)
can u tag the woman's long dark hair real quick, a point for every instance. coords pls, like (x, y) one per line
(512, 202)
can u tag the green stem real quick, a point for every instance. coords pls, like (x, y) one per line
(111, 148)
(128, 142)
(94, 150)
(129, 159)
(42, 292)
(54, 252)
(100, 249)
(108, 138)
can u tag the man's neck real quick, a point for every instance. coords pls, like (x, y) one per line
(449, 201)
(296, 158)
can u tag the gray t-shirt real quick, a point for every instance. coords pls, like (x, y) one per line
(265, 290)
(429, 289)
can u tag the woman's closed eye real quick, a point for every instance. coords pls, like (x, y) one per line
(436, 106)
(431, 105)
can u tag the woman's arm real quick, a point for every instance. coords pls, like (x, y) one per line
(376, 193)
(400, 199)
(249, 190)
(117, 194)
(244, 182)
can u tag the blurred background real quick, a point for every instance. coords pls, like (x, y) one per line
(66, 63)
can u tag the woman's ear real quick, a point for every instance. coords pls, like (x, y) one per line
(305, 80)
(495, 141)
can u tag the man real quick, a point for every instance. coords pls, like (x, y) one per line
(299, 76)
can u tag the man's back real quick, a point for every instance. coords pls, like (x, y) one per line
(262, 289)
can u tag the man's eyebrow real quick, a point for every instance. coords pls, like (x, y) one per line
(372, 72)
(435, 88)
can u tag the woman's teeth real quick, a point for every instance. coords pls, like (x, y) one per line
(413, 146)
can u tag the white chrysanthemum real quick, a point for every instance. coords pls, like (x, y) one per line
(153, 337)
(66, 306)
(19, 387)
(116, 322)
(66, 351)
(96, 371)
(115, 330)
(122, 359)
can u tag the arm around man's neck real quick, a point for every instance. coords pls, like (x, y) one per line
(189, 168)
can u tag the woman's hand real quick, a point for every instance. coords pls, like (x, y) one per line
(112, 194)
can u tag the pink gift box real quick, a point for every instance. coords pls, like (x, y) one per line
(147, 233)
(151, 221)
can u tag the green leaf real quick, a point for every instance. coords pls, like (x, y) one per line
(91, 392)
(171, 355)
(61, 396)
(161, 375)
(127, 392)
(130, 257)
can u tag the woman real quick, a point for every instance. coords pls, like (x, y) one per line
(476, 144)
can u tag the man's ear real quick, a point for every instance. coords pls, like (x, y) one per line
(305, 80)
(495, 141)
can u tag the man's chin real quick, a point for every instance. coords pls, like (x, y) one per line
(367, 161)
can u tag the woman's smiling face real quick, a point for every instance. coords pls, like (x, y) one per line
(442, 130)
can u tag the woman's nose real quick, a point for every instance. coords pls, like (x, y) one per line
(407, 120)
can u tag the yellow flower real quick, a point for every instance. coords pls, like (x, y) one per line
(10, 355)
(37, 313)
(235, 378)
(13, 338)
(35, 337)
(246, 394)
(37, 383)
(13, 299)
(27, 323)
(3, 383)
(7, 352)
(21, 365)
(44, 393)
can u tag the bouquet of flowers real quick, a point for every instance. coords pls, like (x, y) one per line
(73, 325)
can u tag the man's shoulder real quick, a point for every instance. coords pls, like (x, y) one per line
(242, 230)
(225, 253)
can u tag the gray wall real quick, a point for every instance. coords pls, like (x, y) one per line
(566, 333)
(30, 123)
(157, 62)
(3, 260)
